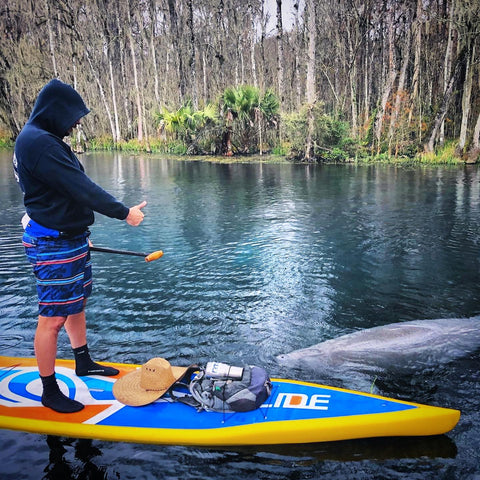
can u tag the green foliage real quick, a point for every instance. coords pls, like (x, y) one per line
(247, 117)
(186, 121)
(132, 145)
(175, 147)
(187, 126)
(329, 137)
(295, 128)
(105, 142)
(244, 103)
(5, 142)
(282, 149)
(269, 104)
(241, 102)
(444, 155)
(370, 127)
(5, 138)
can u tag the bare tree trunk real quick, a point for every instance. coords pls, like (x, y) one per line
(116, 127)
(153, 17)
(447, 65)
(252, 38)
(144, 120)
(353, 101)
(310, 90)
(476, 131)
(102, 93)
(193, 70)
(296, 74)
(366, 84)
(476, 135)
(415, 97)
(51, 42)
(176, 47)
(311, 30)
(280, 70)
(205, 82)
(253, 62)
(79, 131)
(117, 136)
(473, 154)
(258, 119)
(239, 66)
(430, 145)
(262, 46)
(137, 87)
(388, 86)
(466, 101)
(400, 90)
(220, 48)
(352, 53)
(155, 71)
(387, 90)
(123, 73)
(166, 79)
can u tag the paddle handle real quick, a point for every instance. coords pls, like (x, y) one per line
(154, 256)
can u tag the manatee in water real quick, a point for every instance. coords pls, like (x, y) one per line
(417, 344)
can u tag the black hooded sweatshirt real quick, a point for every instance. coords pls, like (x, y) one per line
(57, 192)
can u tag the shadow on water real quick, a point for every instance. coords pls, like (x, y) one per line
(87, 455)
(59, 468)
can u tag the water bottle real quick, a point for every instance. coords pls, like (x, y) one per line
(222, 370)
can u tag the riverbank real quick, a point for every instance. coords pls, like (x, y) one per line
(444, 156)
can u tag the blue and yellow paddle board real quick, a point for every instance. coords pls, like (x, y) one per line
(295, 412)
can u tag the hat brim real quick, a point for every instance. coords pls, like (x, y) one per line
(128, 391)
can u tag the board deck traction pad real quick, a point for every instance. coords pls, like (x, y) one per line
(295, 412)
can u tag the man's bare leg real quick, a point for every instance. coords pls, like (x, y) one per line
(76, 327)
(45, 344)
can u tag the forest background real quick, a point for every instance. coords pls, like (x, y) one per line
(340, 79)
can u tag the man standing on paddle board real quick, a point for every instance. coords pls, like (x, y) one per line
(60, 200)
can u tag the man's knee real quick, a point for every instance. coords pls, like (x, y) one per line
(51, 323)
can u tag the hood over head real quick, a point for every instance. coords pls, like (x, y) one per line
(57, 108)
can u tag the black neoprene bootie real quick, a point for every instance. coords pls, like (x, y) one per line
(84, 365)
(53, 398)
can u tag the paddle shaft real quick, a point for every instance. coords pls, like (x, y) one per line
(148, 256)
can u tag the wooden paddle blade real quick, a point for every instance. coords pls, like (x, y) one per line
(154, 256)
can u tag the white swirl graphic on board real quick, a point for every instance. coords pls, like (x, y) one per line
(22, 387)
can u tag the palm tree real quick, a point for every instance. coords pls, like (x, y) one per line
(186, 124)
(267, 114)
(246, 114)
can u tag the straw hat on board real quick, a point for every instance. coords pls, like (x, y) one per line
(148, 383)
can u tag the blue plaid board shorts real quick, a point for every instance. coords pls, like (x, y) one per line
(63, 272)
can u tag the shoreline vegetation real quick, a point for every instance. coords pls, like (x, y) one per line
(337, 82)
(445, 156)
(244, 126)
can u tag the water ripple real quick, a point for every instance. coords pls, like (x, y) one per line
(262, 260)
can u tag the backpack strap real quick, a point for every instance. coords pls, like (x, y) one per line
(199, 390)
(202, 396)
(184, 384)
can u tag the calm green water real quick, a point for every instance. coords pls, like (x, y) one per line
(261, 260)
